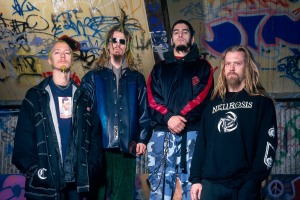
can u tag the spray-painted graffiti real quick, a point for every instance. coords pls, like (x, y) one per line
(21, 7)
(23, 45)
(255, 30)
(283, 187)
(158, 34)
(290, 66)
(12, 187)
(288, 150)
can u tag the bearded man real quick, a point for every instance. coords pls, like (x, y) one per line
(178, 90)
(236, 146)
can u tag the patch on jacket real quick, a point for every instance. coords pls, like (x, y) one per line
(195, 80)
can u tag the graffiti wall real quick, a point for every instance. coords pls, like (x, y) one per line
(29, 27)
(270, 28)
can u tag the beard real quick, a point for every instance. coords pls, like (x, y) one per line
(234, 82)
(182, 47)
(118, 58)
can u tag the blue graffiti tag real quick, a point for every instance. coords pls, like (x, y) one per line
(23, 7)
(290, 66)
(252, 30)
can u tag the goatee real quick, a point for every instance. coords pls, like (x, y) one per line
(234, 82)
(182, 48)
(118, 58)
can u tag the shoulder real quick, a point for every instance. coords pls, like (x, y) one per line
(90, 75)
(203, 63)
(266, 100)
(134, 73)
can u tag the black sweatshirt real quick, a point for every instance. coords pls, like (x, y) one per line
(237, 140)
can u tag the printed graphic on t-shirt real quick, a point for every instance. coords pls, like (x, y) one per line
(65, 107)
(228, 123)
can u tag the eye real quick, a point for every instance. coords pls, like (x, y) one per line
(238, 63)
(68, 52)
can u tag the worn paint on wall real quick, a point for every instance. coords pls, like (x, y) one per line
(28, 29)
(270, 29)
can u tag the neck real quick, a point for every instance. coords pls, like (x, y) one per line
(60, 78)
(116, 61)
(235, 89)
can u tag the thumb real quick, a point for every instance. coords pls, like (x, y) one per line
(182, 119)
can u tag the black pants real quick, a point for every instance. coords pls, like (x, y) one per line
(248, 191)
(69, 193)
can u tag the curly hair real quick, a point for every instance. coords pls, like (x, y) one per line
(123, 27)
(252, 83)
(129, 54)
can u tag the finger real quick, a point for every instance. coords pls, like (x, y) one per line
(182, 119)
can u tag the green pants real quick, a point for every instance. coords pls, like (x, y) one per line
(117, 176)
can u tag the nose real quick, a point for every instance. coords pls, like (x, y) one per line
(62, 55)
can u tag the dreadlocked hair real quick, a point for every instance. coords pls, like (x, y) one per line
(252, 83)
(123, 26)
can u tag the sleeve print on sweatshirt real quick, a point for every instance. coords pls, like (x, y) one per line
(270, 149)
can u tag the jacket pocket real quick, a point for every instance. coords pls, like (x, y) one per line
(40, 179)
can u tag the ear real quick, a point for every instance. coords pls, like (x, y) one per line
(171, 41)
(50, 61)
(193, 39)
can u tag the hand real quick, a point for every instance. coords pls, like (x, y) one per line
(140, 149)
(196, 191)
(176, 124)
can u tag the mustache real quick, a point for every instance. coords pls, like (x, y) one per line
(232, 73)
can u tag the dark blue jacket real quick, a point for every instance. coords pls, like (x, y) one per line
(36, 151)
(123, 110)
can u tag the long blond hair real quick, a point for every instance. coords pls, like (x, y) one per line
(252, 83)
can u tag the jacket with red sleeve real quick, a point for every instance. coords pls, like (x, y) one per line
(179, 87)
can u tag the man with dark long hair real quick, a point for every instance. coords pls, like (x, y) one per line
(235, 148)
(178, 89)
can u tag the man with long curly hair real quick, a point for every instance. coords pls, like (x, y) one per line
(119, 92)
(235, 148)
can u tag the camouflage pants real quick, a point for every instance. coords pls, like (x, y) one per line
(164, 154)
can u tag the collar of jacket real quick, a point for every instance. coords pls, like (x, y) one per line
(193, 54)
(124, 65)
